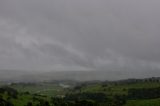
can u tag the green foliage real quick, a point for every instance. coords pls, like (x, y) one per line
(98, 97)
(150, 102)
(39, 88)
(144, 93)
(118, 93)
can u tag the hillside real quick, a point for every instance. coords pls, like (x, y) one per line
(33, 76)
(130, 92)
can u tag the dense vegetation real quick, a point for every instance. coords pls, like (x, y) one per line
(131, 92)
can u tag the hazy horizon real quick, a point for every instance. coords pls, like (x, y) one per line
(82, 35)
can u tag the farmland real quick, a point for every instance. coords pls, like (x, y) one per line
(130, 92)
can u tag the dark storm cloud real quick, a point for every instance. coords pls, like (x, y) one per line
(79, 34)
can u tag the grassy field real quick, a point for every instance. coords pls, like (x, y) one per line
(44, 91)
(152, 102)
(118, 88)
(122, 89)
(23, 99)
(41, 91)
(41, 88)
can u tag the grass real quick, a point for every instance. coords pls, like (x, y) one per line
(22, 100)
(151, 102)
(121, 89)
(43, 89)
(49, 90)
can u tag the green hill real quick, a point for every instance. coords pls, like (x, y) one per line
(130, 92)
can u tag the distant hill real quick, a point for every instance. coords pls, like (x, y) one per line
(28, 76)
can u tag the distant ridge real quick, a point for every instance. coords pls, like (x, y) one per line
(27, 76)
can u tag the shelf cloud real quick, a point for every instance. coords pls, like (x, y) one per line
(79, 34)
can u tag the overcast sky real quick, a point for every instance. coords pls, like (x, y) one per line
(79, 34)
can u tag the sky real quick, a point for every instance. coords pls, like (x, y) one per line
(79, 34)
